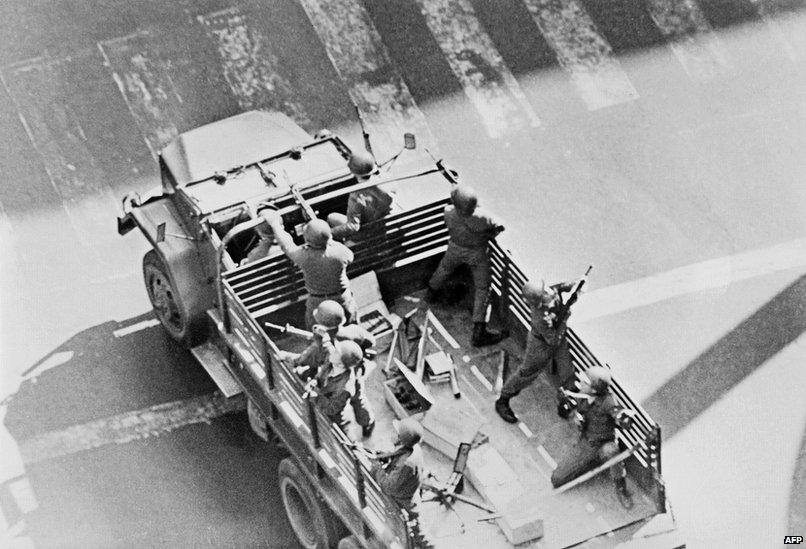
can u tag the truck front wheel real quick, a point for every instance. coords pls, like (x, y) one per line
(167, 306)
(313, 522)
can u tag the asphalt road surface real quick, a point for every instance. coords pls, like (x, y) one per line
(659, 140)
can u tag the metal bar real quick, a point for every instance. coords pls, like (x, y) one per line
(314, 426)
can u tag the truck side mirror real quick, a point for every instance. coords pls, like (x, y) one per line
(161, 232)
(409, 141)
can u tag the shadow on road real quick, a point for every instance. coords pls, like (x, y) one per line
(726, 363)
(206, 484)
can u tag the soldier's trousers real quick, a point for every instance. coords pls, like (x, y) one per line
(479, 263)
(584, 456)
(346, 300)
(539, 356)
(361, 407)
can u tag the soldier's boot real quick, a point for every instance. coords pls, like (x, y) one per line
(367, 429)
(623, 493)
(481, 337)
(503, 409)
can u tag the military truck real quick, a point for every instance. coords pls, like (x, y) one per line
(238, 320)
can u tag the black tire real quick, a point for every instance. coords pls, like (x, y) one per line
(313, 522)
(175, 318)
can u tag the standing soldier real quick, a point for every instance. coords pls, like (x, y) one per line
(363, 206)
(470, 230)
(329, 318)
(544, 344)
(323, 263)
(335, 382)
(597, 443)
(399, 473)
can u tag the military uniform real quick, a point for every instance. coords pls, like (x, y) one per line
(259, 251)
(317, 355)
(597, 442)
(325, 274)
(469, 237)
(401, 476)
(545, 343)
(334, 393)
(363, 207)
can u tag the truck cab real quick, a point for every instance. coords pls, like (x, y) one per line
(490, 481)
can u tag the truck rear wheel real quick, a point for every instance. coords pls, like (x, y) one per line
(174, 317)
(313, 522)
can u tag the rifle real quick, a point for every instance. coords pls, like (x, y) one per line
(446, 496)
(307, 210)
(565, 308)
(289, 329)
(364, 132)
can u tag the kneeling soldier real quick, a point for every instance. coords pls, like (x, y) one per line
(597, 443)
(400, 472)
(329, 317)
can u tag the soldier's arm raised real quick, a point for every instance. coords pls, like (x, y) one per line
(284, 239)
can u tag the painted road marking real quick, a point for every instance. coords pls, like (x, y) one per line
(692, 39)
(539, 468)
(476, 63)
(582, 52)
(525, 430)
(127, 427)
(357, 52)
(707, 275)
(483, 380)
(769, 10)
(546, 456)
(142, 325)
(23, 495)
(52, 361)
(250, 67)
(144, 79)
(40, 90)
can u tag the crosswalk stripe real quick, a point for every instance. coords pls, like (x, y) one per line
(768, 10)
(127, 427)
(145, 83)
(250, 67)
(478, 66)
(357, 52)
(37, 88)
(710, 274)
(690, 36)
(583, 52)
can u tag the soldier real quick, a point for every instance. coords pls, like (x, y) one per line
(470, 229)
(363, 206)
(329, 317)
(323, 264)
(400, 472)
(597, 443)
(335, 382)
(544, 344)
(263, 246)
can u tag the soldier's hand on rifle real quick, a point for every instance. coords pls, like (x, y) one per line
(320, 332)
(272, 218)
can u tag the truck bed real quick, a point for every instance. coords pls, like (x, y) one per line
(530, 448)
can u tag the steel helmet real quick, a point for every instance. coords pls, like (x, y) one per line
(361, 163)
(329, 314)
(533, 290)
(317, 233)
(599, 378)
(409, 431)
(350, 353)
(464, 198)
